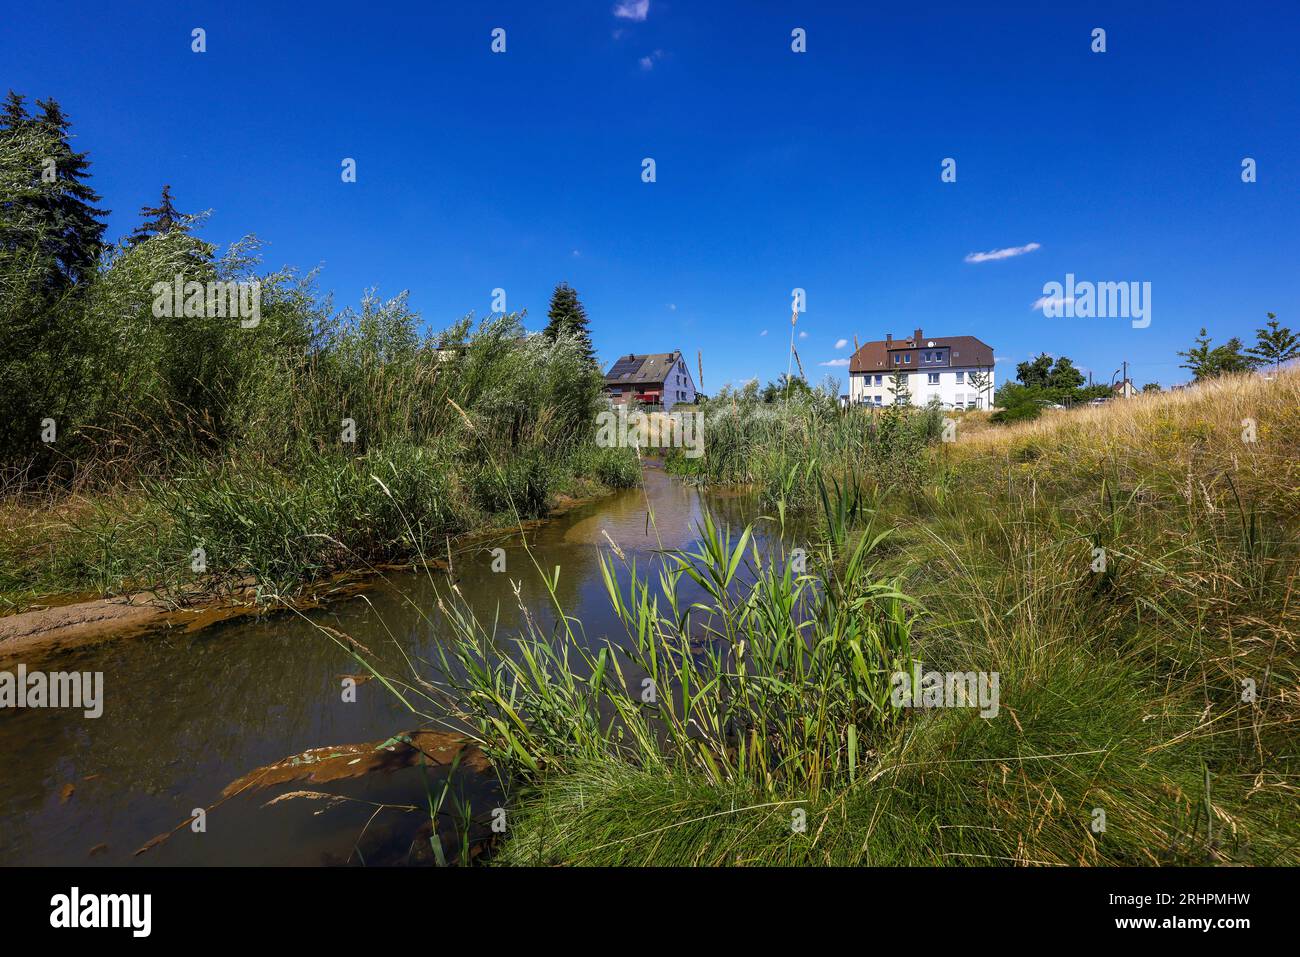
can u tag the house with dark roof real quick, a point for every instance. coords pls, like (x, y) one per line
(657, 378)
(939, 368)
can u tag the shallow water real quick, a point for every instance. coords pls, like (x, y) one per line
(186, 714)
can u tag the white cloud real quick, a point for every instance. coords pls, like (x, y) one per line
(636, 10)
(841, 343)
(646, 63)
(1056, 302)
(576, 253)
(995, 254)
(763, 333)
(672, 306)
(836, 362)
(803, 335)
(997, 359)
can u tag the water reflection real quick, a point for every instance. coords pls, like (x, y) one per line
(187, 714)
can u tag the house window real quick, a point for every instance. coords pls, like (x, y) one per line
(907, 359)
(880, 380)
(877, 400)
(961, 378)
(897, 359)
(932, 378)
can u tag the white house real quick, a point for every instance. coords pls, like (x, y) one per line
(941, 368)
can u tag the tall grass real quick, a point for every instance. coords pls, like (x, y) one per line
(1148, 707)
(775, 677)
(260, 445)
(778, 446)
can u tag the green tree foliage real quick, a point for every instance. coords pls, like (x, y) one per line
(1207, 361)
(1036, 372)
(50, 242)
(899, 389)
(1151, 387)
(1043, 372)
(1042, 382)
(1275, 345)
(568, 317)
(48, 212)
(149, 391)
(1064, 376)
(159, 219)
(783, 387)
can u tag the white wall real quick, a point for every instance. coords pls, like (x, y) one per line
(950, 392)
(678, 386)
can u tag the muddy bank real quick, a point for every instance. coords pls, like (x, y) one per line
(190, 709)
(53, 630)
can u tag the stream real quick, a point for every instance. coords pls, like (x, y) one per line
(185, 714)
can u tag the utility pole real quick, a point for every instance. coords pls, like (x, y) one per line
(1123, 381)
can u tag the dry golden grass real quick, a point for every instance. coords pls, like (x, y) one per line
(1239, 429)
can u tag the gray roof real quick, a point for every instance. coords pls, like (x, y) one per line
(636, 370)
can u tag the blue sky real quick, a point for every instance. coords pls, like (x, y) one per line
(774, 169)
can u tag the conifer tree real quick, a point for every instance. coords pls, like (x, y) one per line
(159, 219)
(1277, 344)
(567, 316)
(71, 228)
(14, 115)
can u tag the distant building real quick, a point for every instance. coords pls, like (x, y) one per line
(657, 378)
(939, 368)
(1125, 389)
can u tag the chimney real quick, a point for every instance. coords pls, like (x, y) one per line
(918, 337)
(889, 339)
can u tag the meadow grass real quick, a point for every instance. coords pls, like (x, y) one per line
(1128, 571)
(267, 447)
(777, 447)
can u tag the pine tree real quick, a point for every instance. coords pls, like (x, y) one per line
(1277, 344)
(159, 219)
(72, 228)
(1199, 358)
(15, 114)
(568, 317)
(1206, 362)
(20, 166)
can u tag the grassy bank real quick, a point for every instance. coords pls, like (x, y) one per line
(194, 452)
(1129, 572)
(778, 447)
(278, 527)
